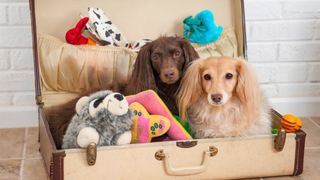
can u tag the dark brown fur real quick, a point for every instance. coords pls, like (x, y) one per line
(160, 68)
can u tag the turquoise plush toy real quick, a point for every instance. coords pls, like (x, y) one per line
(201, 29)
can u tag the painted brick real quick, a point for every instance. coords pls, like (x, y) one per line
(5, 99)
(314, 73)
(19, 14)
(4, 59)
(299, 51)
(257, 10)
(301, 9)
(299, 90)
(281, 30)
(269, 90)
(23, 99)
(21, 59)
(17, 81)
(297, 72)
(264, 72)
(3, 14)
(262, 52)
(317, 31)
(15, 37)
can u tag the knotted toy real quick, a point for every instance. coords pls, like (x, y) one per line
(146, 126)
(155, 106)
(74, 35)
(201, 29)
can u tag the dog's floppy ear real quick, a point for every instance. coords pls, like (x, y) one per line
(247, 89)
(190, 88)
(142, 77)
(189, 52)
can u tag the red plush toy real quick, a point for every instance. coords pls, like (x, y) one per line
(74, 35)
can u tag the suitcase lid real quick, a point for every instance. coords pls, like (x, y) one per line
(135, 19)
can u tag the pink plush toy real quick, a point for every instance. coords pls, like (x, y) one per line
(146, 126)
(155, 106)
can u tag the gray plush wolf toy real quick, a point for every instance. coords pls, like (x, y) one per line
(103, 118)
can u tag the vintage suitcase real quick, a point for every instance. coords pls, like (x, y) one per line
(63, 71)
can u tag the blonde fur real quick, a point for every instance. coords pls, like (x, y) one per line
(243, 110)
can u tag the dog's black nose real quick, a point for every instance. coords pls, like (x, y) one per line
(118, 96)
(216, 98)
(169, 74)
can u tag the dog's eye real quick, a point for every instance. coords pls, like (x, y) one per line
(207, 77)
(177, 54)
(229, 76)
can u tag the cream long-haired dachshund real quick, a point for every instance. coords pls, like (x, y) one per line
(220, 97)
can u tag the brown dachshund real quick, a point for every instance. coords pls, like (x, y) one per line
(159, 66)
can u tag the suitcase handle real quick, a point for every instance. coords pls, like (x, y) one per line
(184, 171)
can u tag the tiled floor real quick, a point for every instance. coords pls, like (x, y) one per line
(20, 158)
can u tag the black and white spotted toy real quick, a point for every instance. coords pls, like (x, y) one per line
(107, 33)
(103, 28)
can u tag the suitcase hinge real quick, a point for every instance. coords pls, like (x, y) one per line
(39, 100)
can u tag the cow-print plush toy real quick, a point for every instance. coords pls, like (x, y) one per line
(136, 46)
(107, 33)
(104, 30)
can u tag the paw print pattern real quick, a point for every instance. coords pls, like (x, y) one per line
(149, 125)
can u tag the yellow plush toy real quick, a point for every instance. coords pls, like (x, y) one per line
(146, 126)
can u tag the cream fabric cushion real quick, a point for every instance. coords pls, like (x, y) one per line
(69, 70)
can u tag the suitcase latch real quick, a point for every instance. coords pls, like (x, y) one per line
(91, 154)
(280, 140)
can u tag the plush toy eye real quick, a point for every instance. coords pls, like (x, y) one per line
(229, 76)
(98, 102)
(207, 77)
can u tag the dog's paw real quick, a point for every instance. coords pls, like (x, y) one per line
(208, 133)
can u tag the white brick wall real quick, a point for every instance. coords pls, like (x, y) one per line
(17, 104)
(283, 47)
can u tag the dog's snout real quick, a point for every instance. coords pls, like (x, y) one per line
(169, 73)
(118, 97)
(216, 98)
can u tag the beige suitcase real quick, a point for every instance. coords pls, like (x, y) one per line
(63, 71)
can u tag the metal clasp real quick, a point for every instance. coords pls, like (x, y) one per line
(91, 154)
(280, 140)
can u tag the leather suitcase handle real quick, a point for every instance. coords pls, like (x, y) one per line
(184, 171)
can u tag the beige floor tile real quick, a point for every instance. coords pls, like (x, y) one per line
(34, 170)
(9, 169)
(316, 120)
(313, 133)
(11, 143)
(32, 143)
(311, 168)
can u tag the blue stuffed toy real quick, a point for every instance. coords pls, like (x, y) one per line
(201, 29)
